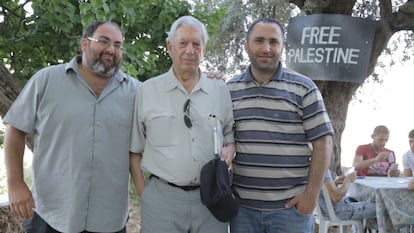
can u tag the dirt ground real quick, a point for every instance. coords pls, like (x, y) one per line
(9, 223)
(134, 221)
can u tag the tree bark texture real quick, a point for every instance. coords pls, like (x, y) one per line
(9, 90)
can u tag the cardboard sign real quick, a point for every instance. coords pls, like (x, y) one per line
(330, 47)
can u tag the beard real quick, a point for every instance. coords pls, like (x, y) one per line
(101, 69)
(268, 67)
(264, 67)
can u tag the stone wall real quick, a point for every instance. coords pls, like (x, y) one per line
(9, 223)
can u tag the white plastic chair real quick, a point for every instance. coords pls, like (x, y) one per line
(332, 220)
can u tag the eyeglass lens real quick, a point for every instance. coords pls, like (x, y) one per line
(187, 119)
(106, 42)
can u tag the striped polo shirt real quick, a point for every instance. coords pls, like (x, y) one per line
(275, 124)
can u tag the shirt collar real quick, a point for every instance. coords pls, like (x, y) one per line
(172, 82)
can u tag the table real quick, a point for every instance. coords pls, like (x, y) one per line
(394, 202)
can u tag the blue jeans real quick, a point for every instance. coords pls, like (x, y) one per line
(277, 221)
(38, 225)
(347, 209)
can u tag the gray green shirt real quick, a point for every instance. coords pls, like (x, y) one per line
(170, 149)
(81, 155)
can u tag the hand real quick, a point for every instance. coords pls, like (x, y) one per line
(339, 179)
(228, 153)
(382, 156)
(21, 200)
(303, 203)
(351, 176)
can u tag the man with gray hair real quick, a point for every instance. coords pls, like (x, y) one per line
(172, 136)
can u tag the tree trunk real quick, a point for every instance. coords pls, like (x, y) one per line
(9, 90)
(337, 106)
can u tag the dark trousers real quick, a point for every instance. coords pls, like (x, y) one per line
(38, 225)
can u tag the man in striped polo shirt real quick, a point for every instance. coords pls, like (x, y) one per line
(283, 138)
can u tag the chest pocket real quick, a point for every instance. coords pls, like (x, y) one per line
(160, 130)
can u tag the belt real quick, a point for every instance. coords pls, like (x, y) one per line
(185, 188)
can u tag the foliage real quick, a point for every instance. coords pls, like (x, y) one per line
(134, 196)
(400, 49)
(226, 53)
(1, 138)
(44, 32)
(2, 181)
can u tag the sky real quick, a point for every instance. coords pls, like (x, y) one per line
(389, 103)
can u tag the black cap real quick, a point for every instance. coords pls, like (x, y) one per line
(216, 191)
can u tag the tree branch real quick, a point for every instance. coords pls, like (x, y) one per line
(385, 9)
(403, 19)
(298, 3)
(9, 90)
(343, 7)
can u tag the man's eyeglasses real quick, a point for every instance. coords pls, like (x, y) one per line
(106, 43)
(187, 119)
